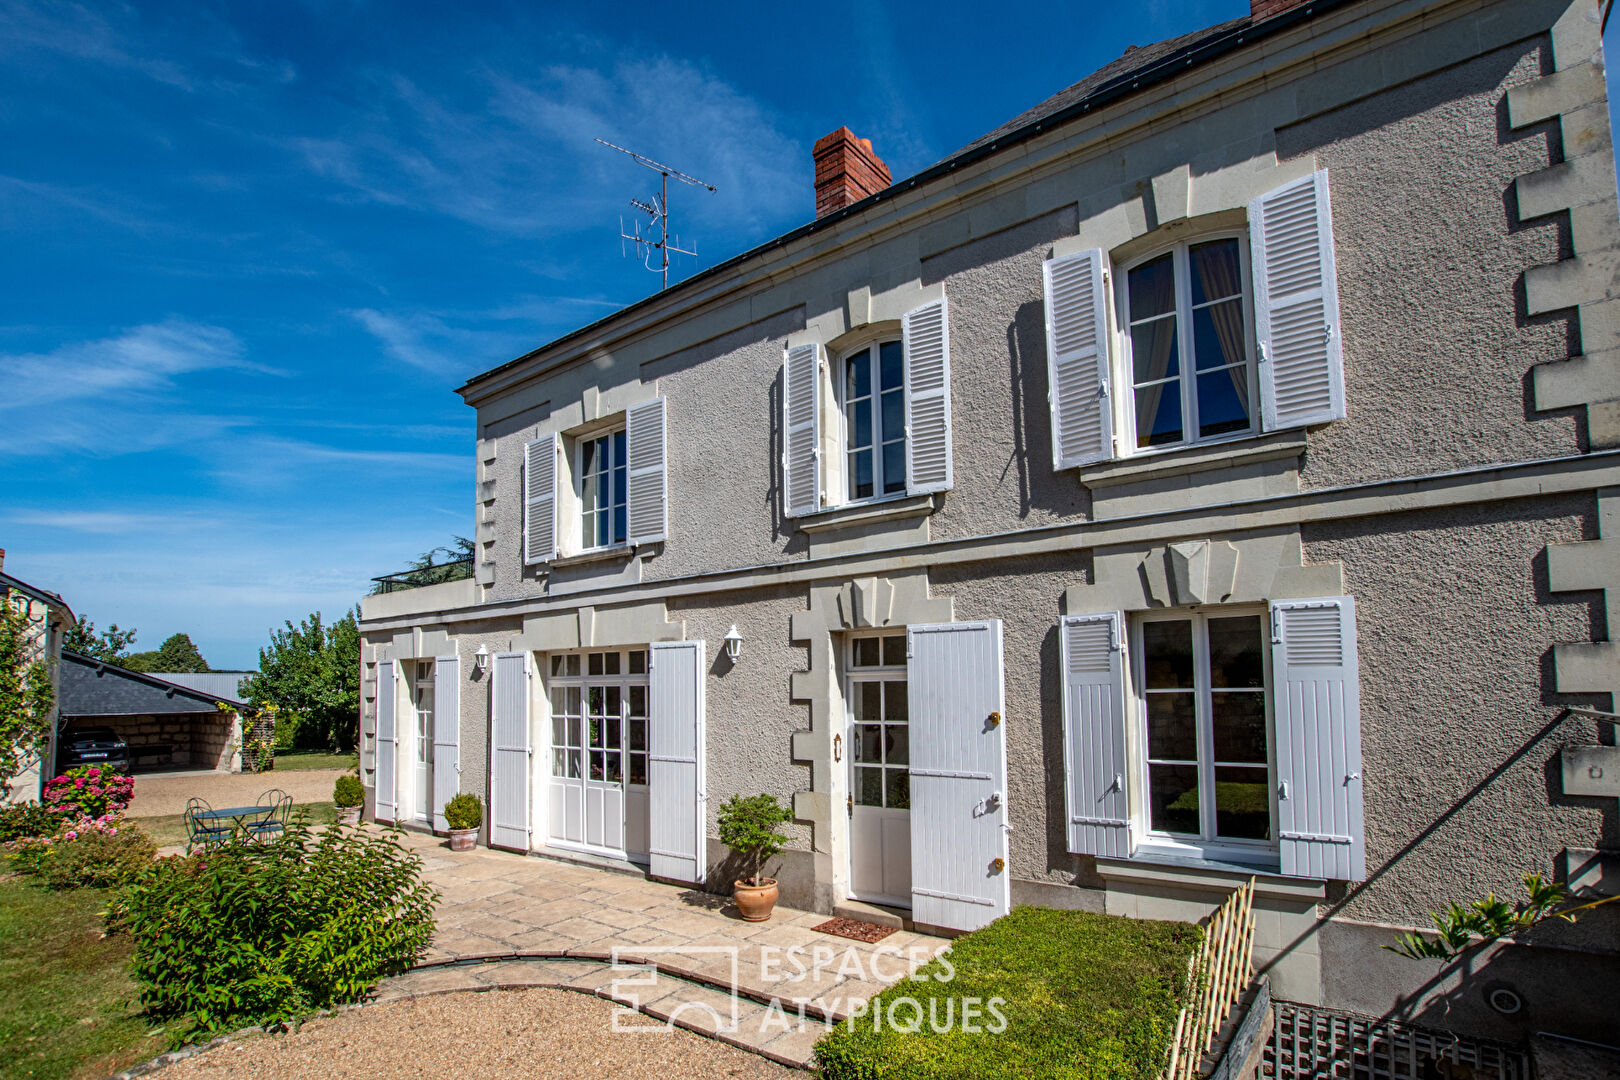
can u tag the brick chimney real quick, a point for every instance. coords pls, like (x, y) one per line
(847, 171)
(1265, 9)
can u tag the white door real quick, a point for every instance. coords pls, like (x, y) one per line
(878, 741)
(387, 744)
(598, 771)
(422, 801)
(509, 745)
(676, 783)
(959, 827)
(446, 736)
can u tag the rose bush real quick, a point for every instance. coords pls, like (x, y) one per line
(88, 791)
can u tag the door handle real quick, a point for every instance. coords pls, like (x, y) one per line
(838, 748)
(851, 804)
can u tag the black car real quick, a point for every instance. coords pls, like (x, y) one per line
(92, 746)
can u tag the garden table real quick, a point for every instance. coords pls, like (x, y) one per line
(239, 819)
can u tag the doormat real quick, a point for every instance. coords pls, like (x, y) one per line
(855, 930)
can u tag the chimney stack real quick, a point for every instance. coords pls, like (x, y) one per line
(847, 171)
(1265, 9)
(2, 558)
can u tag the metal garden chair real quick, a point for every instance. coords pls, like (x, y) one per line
(203, 831)
(274, 822)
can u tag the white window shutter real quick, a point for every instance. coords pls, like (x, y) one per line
(509, 741)
(446, 735)
(801, 429)
(1096, 763)
(927, 342)
(675, 779)
(1296, 305)
(540, 500)
(1316, 691)
(647, 453)
(387, 744)
(1077, 358)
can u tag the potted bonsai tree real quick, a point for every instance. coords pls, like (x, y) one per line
(348, 795)
(751, 828)
(464, 814)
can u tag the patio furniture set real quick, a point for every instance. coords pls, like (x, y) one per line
(208, 828)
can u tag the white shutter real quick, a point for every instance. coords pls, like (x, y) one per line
(1077, 358)
(1095, 760)
(387, 744)
(446, 735)
(959, 873)
(540, 500)
(927, 343)
(1317, 694)
(675, 781)
(801, 429)
(646, 451)
(509, 745)
(1296, 305)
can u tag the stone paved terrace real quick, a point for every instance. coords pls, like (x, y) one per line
(512, 920)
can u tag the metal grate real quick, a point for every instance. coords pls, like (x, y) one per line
(1315, 1044)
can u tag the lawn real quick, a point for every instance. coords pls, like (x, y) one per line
(299, 760)
(78, 1017)
(171, 828)
(1084, 997)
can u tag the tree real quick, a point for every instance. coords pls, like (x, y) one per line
(175, 654)
(111, 645)
(26, 699)
(428, 569)
(312, 672)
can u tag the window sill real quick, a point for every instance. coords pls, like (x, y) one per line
(867, 513)
(1179, 871)
(621, 551)
(1187, 460)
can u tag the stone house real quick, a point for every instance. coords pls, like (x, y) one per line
(49, 619)
(1213, 472)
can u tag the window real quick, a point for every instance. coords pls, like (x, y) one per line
(872, 396)
(1187, 320)
(1205, 725)
(603, 491)
(880, 742)
(599, 716)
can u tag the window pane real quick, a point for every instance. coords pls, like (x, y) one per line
(866, 652)
(559, 701)
(573, 695)
(638, 694)
(1167, 659)
(869, 743)
(1223, 401)
(587, 458)
(1152, 288)
(556, 665)
(1243, 804)
(594, 667)
(852, 409)
(638, 666)
(610, 664)
(899, 789)
(1237, 653)
(559, 731)
(860, 431)
(1239, 718)
(893, 420)
(894, 652)
(861, 469)
(573, 664)
(612, 776)
(1172, 725)
(619, 475)
(610, 733)
(594, 726)
(869, 702)
(857, 376)
(1216, 272)
(573, 764)
(891, 359)
(894, 707)
(598, 764)
(1155, 351)
(590, 492)
(1218, 335)
(618, 450)
(894, 468)
(638, 769)
(869, 787)
(638, 734)
(897, 744)
(573, 731)
(559, 762)
(1158, 414)
(1173, 802)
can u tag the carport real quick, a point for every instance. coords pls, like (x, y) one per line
(166, 725)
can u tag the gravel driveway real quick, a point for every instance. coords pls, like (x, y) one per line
(495, 1035)
(161, 794)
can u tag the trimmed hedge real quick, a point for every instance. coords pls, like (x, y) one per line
(1084, 997)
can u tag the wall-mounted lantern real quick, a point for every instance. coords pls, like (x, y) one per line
(733, 644)
(481, 658)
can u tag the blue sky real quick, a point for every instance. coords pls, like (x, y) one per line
(251, 249)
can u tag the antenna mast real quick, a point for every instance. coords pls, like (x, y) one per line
(658, 209)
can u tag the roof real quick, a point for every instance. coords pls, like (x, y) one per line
(11, 584)
(92, 687)
(219, 685)
(1137, 69)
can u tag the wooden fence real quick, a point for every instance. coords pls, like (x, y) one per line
(1221, 972)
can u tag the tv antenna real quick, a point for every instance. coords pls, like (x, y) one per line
(657, 208)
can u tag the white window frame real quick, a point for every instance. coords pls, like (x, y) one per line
(879, 673)
(581, 513)
(1207, 846)
(625, 678)
(871, 344)
(1125, 367)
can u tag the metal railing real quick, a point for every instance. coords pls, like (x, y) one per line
(454, 570)
(1321, 1044)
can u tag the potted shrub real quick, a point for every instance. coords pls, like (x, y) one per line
(348, 795)
(751, 828)
(464, 814)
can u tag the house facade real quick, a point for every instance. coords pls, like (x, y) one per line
(48, 619)
(1213, 473)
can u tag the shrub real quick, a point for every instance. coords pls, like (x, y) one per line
(751, 828)
(1080, 996)
(258, 933)
(348, 792)
(22, 820)
(464, 812)
(88, 791)
(88, 855)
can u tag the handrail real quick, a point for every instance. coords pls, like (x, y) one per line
(437, 574)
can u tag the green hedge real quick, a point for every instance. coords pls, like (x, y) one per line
(1084, 997)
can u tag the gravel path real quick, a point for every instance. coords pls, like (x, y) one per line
(161, 794)
(545, 1034)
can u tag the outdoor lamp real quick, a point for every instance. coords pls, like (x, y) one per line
(733, 644)
(481, 658)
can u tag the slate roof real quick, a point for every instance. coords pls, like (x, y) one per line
(91, 687)
(219, 685)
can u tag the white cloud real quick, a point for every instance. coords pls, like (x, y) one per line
(146, 358)
(430, 343)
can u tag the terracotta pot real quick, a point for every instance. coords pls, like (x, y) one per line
(754, 902)
(348, 815)
(463, 839)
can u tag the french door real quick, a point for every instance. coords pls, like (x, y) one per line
(879, 802)
(422, 758)
(598, 788)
